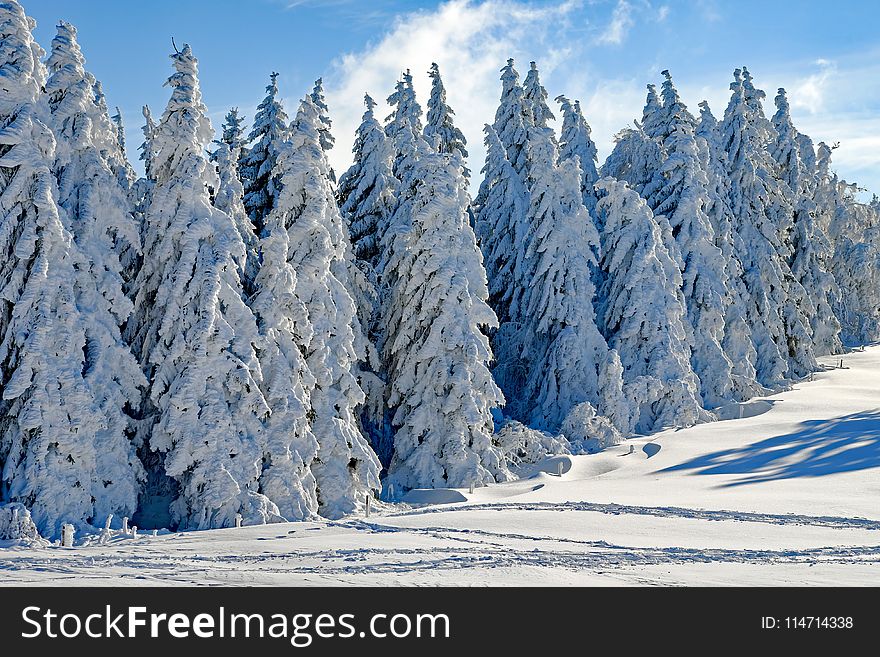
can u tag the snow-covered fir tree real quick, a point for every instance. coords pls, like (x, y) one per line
(810, 249)
(232, 131)
(257, 163)
(854, 229)
(346, 468)
(535, 96)
(682, 196)
(566, 355)
(366, 190)
(635, 159)
(440, 122)
(652, 114)
(442, 392)
(405, 122)
(126, 174)
(502, 204)
(228, 197)
(146, 147)
(96, 214)
(52, 421)
(513, 119)
(290, 446)
(576, 140)
(643, 315)
(195, 337)
(737, 341)
(327, 139)
(367, 200)
(763, 217)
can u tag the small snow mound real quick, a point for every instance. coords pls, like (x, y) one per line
(17, 527)
(550, 465)
(735, 411)
(426, 496)
(651, 449)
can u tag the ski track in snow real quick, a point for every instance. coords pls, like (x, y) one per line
(661, 512)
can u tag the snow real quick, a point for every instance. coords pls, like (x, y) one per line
(785, 497)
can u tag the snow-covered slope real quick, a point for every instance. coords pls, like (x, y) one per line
(785, 496)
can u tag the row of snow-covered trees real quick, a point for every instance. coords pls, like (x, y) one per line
(239, 332)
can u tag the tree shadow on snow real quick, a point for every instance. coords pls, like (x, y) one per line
(819, 448)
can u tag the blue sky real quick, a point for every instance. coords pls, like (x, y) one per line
(827, 55)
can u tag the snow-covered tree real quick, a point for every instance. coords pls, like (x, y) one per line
(367, 199)
(366, 190)
(52, 422)
(440, 123)
(501, 225)
(290, 446)
(682, 196)
(228, 197)
(854, 230)
(327, 139)
(404, 123)
(146, 147)
(635, 159)
(576, 140)
(643, 315)
(763, 219)
(317, 96)
(535, 96)
(232, 131)
(563, 349)
(442, 392)
(346, 468)
(652, 114)
(737, 341)
(126, 174)
(512, 120)
(96, 214)
(257, 164)
(810, 249)
(195, 337)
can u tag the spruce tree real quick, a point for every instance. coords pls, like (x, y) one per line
(327, 139)
(257, 163)
(442, 392)
(737, 341)
(195, 337)
(367, 199)
(440, 123)
(346, 468)
(643, 315)
(816, 290)
(576, 140)
(53, 422)
(512, 120)
(758, 208)
(96, 213)
(566, 355)
(535, 96)
(682, 196)
(405, 122)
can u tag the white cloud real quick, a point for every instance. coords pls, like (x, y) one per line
(621, 21)
(809, 93)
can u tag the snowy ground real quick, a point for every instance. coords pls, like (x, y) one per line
(788, 496)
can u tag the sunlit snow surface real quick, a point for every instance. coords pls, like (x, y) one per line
(788, 496)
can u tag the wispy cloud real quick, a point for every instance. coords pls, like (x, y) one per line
(618, 27)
